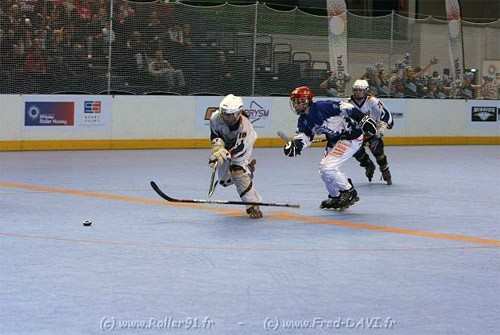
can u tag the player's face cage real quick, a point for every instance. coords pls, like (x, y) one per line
(230, 117)
(359, 93)
(299, 104)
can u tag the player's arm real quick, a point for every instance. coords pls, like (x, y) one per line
(301, 140)
(218, 153)
(385, 120)
(364, 122)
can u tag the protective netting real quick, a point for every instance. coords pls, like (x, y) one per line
(113, 47)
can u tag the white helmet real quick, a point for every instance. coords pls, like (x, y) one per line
(231, 104)
(360, 84)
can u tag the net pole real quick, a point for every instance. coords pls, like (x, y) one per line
(254, 53)
(110, 34)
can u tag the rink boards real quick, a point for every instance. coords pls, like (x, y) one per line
(76, 122)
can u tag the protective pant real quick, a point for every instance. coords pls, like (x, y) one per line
(376, 146)
(241, 177)
(333, 159)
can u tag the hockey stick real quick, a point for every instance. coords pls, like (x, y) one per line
(213, 182)
(220, 202)
(285, 138)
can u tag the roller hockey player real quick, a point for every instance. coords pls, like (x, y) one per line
(373, 107)
(344, 126)
(233, 138)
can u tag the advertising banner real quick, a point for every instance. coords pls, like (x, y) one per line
(455, 37)
(258, 110)
(67, 110)
(49, 113)
(483, 112)
(337, 36)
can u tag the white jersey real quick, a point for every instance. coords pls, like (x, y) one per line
(375, 108)
(239, 141)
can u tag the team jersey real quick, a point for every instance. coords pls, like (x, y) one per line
(238, 139)
(330, 119)
(375, 108)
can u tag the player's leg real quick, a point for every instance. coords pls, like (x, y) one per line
(224, 173)
(364, 160)
(242, 171)
(341, 192)
(376, 146)
(242, 179)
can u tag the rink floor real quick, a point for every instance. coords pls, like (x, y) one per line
(419, 257)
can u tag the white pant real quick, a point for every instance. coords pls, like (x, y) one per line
(329, 167)
(242, 179)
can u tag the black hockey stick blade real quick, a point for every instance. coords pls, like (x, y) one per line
(219, 202)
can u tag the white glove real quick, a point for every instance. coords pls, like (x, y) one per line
(382, 127)
(219, 153)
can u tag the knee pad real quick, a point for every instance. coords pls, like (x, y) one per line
(377, 146)
(236, 169)
(382, 161)
(362, 157)
(241, 179)
(360, 154)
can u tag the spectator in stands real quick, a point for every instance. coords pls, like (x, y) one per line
(58, 51)
(137, 50)
(466, 89)
(335, 85)
(176, 34)
(8, 59)
(35, 67)
(162, 71)
(36, 59)
(175, 43)
(410, 83)
(446, 78)
(58, 18)
(222, 76)
(396, 87)
(77, 60)
(187, 35)
(382, 80)
(489, 88)
(125, 12)
(154, 32)
(377, 80)
(83, 10)
(434, 90)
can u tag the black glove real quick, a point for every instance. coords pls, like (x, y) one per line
(368, 126)
(293, 148)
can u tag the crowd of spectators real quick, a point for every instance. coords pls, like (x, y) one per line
(61, 45)
(408, 81)
(47, 46)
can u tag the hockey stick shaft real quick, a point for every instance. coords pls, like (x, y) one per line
(219, 202)
(213, 182)
(285, 138)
